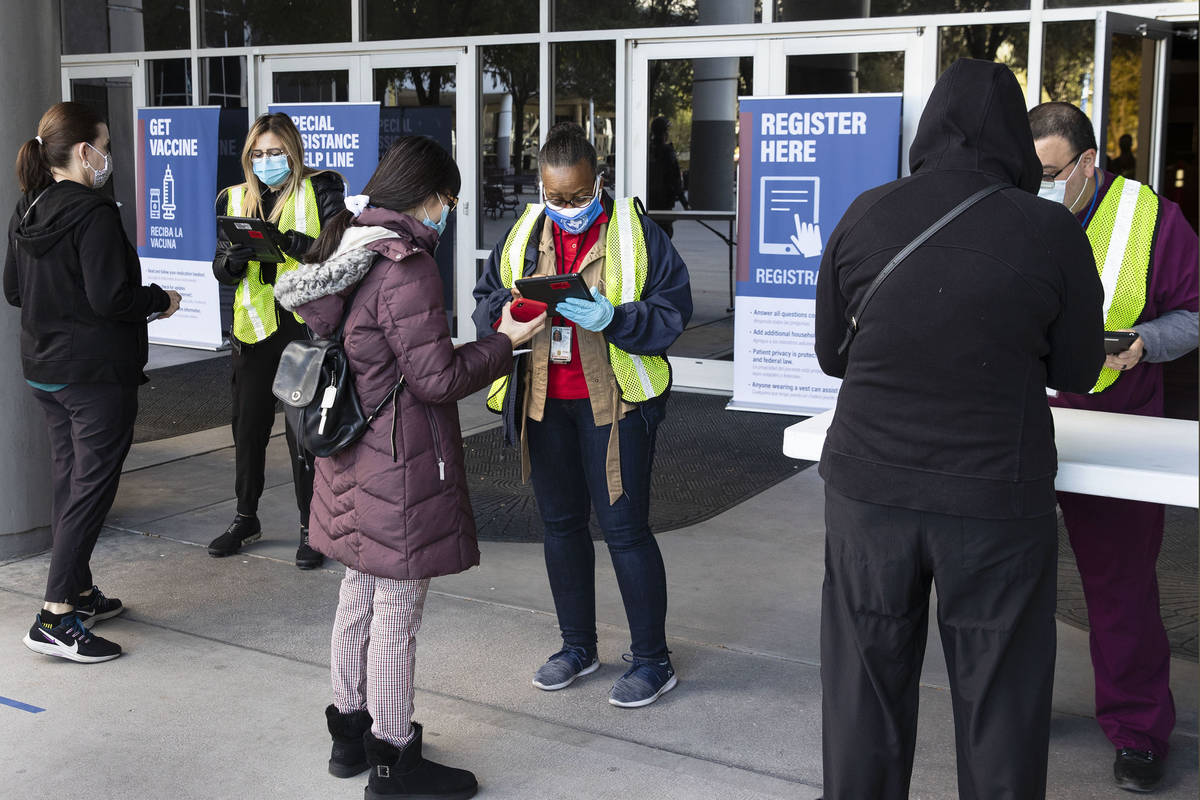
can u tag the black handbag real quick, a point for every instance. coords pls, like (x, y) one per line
(316, 386)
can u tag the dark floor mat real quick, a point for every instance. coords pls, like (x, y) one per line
(707, 460)
(184, 399)
(1177, 576)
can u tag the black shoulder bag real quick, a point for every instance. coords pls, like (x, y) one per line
(856, 317)
(316, 386)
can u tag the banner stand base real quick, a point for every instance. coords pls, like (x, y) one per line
(767, 408)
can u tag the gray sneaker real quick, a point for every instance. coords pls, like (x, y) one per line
(564, 667)
(643, 683)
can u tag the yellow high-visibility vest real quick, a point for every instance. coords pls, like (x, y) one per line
(626, 263)
(254, 302)
(1122, 236)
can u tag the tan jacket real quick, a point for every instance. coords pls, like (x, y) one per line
(603, 391)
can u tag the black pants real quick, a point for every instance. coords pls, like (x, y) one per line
(254, 368)
(996, 583)
(91, 429)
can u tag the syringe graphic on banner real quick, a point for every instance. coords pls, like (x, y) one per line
(168, 194)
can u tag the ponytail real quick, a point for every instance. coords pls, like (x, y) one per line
(33, 171)
(63, 126)
(331, 236)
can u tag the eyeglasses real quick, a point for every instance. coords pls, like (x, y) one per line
(451, 202)
(578, 201)
(272, 153)
(1050, 176)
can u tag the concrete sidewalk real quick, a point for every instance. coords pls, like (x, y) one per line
(225, 673)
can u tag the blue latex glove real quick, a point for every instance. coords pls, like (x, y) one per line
(593, 316)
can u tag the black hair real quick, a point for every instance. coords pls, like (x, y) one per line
(1065, 120)
(411, 170)
(566, 145)
(63, 126)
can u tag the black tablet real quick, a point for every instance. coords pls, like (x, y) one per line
(550, 289)
(252, 232)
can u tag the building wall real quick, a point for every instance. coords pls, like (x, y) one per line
(29, 38)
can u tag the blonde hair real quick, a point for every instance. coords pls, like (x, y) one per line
(284, 129)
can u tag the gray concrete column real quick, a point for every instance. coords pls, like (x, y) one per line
(714, 113)
(29, 39)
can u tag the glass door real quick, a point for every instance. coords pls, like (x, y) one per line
(433, 93)
(307, 80)
(114, 91)
(1132, 54)
(869, 64)
(682, 163)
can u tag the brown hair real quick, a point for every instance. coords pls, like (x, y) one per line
(62, 127)
(282, 126)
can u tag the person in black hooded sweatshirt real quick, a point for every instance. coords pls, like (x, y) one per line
(939, 464)
(78, 282)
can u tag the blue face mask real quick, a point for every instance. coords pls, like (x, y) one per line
(440, 225)
(272, 170)
(576, 220)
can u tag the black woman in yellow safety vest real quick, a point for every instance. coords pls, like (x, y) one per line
(588, 399)
(295, 201)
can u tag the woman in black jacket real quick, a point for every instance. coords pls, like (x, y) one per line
(78, 282)
(296, 202)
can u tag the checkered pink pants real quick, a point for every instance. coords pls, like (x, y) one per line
(373, 652)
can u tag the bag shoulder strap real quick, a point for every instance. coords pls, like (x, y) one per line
(852, 328)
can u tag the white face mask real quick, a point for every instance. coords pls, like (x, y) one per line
(100, 176)
(1056, 191)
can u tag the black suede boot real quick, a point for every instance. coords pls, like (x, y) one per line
(397, 773)
(348, 756)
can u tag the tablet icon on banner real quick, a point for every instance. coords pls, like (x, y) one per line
(789, 216)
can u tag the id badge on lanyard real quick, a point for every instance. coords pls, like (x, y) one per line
(560, 344)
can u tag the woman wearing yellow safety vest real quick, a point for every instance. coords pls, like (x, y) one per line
(295, 201)
(587, 401)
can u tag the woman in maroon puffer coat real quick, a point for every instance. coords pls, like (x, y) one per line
(393, 506)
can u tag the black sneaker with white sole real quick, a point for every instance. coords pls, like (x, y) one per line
(69, 639)
(96, 606)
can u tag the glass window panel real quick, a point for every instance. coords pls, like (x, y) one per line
(508, 137)
(421, 101)
(1004, 44)
(103, 26)
(171, 82)
(223, 83)
(1080, 3)
(1130, 99)
(430, 19)
(1179, 178)
(799, 10)
(237, 23)
(585, 75)
(1068, 63)
(842, 73)
(112, 99)
(697, 98)
(584, 15)
(315, 86)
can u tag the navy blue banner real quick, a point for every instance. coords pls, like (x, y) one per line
(177, 155)
(343, 137)
(802, 160)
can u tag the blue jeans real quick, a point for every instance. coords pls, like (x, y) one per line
(567, 452)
